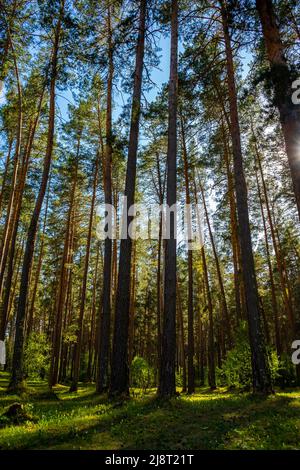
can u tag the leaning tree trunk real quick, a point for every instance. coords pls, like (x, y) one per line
(167, 386)
(18, 356)
(260, 369)
(10, 216)
(282, 78)
(16, 217)
(119, 383)
(29, 322)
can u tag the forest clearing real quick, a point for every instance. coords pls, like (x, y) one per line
(149, 224)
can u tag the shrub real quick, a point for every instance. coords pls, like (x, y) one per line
(37, 355)
(286, 372)
(236, 370)
(179, 379)
(142, 375)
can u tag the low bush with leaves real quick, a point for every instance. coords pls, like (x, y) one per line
(236, 370)
(37, 356)
(142, 375)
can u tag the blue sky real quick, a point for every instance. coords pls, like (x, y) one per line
(159, 76)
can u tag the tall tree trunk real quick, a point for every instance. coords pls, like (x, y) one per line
(278, 254)
(4, 176)
(282, 78)
(236, 252)
(272, 282)
(76, 371)
(211, 334)
(89, 372)
(238, 282)
(9, 221)
(132, 306)
(181, 336)
(39, 267)
(191, 370)
(105, 316)
(201, 337)
(18, 261)
(18, 356)
(20, 186)
(62, 283)
(119, 383)
(260, 369)
(225, 316)
(159, 274)
(167, 386)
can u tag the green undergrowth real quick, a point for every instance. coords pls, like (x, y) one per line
(206, 420)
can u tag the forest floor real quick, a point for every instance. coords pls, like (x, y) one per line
(206, 420)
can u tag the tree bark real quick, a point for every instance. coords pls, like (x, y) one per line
(10, 219)
(167, 387)
(19, 191)
(89, 372)
(76, 370)
(62, 283)
(119, 383)
(38, 268)
(225, 316)
(272, 282)
(282, 78)
(181, 336)
(191, 370)
(260, 369)
(4, 176)
(105, 316)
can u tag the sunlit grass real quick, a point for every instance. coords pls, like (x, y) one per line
(205, 420)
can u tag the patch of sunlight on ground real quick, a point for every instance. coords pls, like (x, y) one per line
(219, 419)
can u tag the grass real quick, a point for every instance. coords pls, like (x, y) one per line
(206, 420)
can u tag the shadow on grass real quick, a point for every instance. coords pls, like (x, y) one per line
(206, 420)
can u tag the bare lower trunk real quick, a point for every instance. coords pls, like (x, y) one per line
(191, 370)
(260, 369)
(62, 283)
(181, 336)
(78, 344)
(105, 316)
(119, 383)
(167, 386)
(225, 316)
